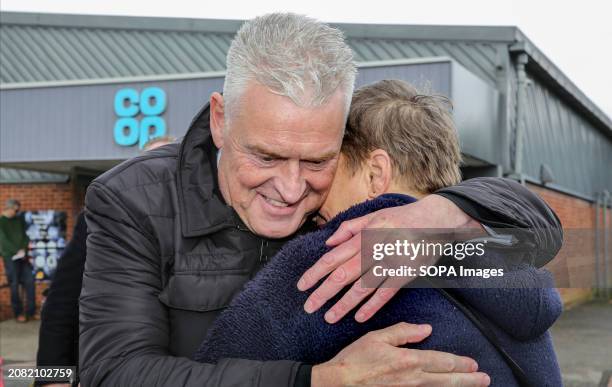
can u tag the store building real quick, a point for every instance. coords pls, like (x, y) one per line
(79, 94)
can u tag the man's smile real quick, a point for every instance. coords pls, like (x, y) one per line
(276, 203)
(278, 207)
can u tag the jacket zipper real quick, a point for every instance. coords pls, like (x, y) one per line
(262, 257)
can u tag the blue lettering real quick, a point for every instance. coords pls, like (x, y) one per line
(131, 109)
(151, 103)
(156, 123)
(131, 137)
(158, 96)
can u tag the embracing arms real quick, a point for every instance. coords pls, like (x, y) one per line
(495, 202)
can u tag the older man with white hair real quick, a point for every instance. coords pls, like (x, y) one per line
(174, 234)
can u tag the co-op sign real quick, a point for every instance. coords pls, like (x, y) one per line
(139, 116)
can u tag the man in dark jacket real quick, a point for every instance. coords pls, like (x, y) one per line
(174, 234)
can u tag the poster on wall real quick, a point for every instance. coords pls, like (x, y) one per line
(47, 232)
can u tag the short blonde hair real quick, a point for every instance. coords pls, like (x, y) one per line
(415, 129)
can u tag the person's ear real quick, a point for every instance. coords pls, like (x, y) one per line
(380, 172)
(217, 119)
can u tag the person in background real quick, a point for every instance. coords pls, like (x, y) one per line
(156, 142)
(13, 249)
(58, 343)
(58, 340)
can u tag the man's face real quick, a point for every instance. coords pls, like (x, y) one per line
(11, 211)
(277, 159)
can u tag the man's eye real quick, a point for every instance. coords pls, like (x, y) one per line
(316, 163)
(266, 159)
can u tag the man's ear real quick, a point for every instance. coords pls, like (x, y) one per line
(217, 119)
(380, 173)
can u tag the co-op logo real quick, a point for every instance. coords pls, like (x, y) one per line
(146, 106)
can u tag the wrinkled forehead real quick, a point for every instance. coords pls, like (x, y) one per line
(280, 143)
(268, 120)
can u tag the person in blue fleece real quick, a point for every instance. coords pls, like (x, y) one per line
(399, 146)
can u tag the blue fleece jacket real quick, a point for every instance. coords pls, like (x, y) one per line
(266, 321)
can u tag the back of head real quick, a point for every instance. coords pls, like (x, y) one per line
(415, 129)
(292, 55)
(156, 142)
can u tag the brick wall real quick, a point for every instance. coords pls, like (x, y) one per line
(573, 212)
(34, 197)
(577, 217)
(61, 197)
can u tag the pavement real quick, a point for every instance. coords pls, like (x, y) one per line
(18, 345)
(582, 338)
(583, 341)
(18, 342)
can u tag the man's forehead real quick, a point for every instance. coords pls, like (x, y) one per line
(289, 150)
(267, 105)
(274, 125)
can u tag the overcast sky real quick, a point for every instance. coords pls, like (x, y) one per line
(575, 35)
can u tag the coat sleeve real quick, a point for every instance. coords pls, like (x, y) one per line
(504, 203)
(59, 325)
(124, 328)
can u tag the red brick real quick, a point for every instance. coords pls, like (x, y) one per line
(574, 214)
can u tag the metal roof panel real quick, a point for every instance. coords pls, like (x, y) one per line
(61, 47)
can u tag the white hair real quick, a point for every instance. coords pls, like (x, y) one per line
(291, 55)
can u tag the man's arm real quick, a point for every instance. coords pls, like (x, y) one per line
(124, 328)
(504, 203)
(495, 202)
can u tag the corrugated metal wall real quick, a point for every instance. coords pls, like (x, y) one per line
(38, 53)
(579, 155)
(35, 53)
(478, 57)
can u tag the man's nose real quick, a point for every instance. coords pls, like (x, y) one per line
(292, 184)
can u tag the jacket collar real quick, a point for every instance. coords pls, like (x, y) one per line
(202, 208)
